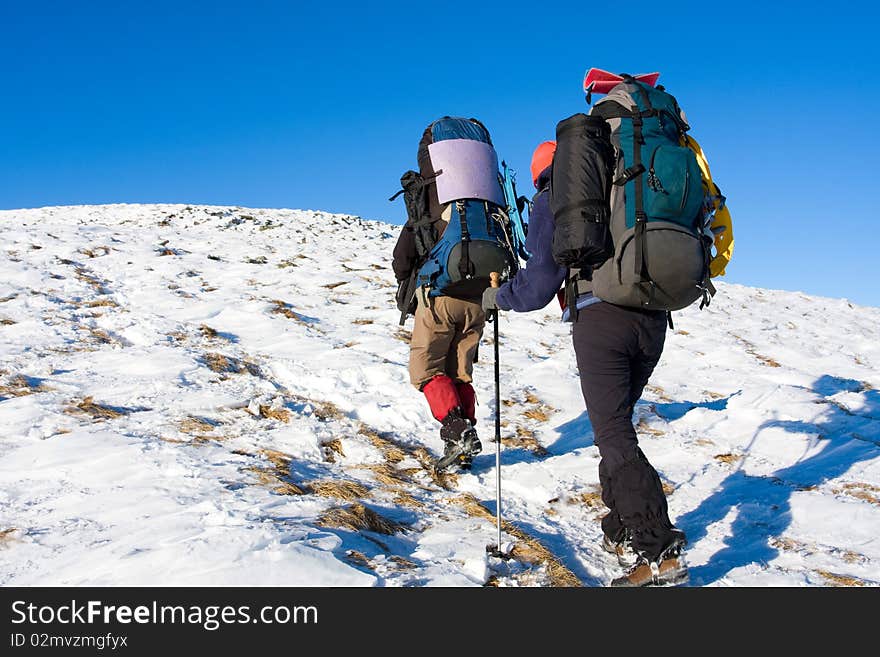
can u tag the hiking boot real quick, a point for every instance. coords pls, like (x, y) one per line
(462, 443)
(669, 569)
(622, 549)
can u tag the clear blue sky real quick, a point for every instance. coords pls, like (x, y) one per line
(321, 105)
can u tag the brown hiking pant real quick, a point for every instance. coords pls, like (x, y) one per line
(445, 337)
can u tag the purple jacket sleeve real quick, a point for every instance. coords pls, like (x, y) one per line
(534, 286)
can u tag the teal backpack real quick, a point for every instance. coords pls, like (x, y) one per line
(659, 251)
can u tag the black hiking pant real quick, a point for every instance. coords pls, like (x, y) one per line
(617, 349)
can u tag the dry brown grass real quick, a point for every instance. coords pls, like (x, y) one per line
(95, 252)
(446, 480)
(342, 489)
(362, 322)
(6, 322)
(100, 335)
(525, 439)
(326, 411)
(668, 489)
(835, 579)
(271, 480)
(537, 414)
(592, 499)
(528, 549)
(392, 452)
(658, 392)
(8, 536)
(861, 491)
(728, 458)
(358, 559)
(229, 365)
(276, 476)
(387, 475)
(644, 427)
(357, 517)
(402, 562)
(285, 309)
(21, 386)
(332, 447)
(9, 298)
(752, 351)
(280, 414)
(207, 331)
(94, 410)
(110, 303)
(406, 500)
(403, 335)
(333, 286)
(196, 425)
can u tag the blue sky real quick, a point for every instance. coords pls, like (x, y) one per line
(320, 106)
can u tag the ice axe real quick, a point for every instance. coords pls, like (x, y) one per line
(495, 550)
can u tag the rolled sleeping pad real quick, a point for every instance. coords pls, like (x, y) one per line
(580, 189)
(468, 169)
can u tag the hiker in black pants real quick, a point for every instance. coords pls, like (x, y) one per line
(617, 349)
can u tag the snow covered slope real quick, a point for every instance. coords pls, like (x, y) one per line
(212, 395)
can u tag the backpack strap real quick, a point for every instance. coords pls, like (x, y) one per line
(641, 253)
(464, 264)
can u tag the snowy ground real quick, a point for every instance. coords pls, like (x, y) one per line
(207, 395)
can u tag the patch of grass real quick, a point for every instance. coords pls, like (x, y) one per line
(835, 579)
(407, 500)
(592, 499)
(8, 536)
(21, 386)
(280, 414)
(728, 458)
(259, 260)
(95, 252)
(284, 308)
(357, 517)
(392, 452)
(333, 286)
(362, 322)
(110, 303)
(342, 489)
(644, 427)
(197, 425)
(752, 351)
(358, 559)
(332, 447)
(207, 331)
(97, 411)
(861, 491)
(387, 475)
(9, 298)
(403, 335)
(525, 439)
(658, 392)
(326, 411)
(229, 365)
(6, 322)
(528, 549)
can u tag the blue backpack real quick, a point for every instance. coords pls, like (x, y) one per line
(460, 169)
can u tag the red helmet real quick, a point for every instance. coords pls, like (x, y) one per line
(542, 158)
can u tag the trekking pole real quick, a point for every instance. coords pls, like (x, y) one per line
(494, 278)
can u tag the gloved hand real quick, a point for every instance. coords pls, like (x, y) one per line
(489, 295)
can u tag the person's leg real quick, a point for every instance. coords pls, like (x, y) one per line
(607, 342)
(468, 399)
(470, 319)
(432, 337)
(603, 365)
